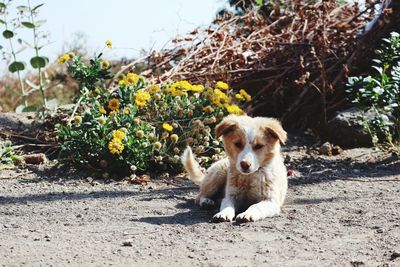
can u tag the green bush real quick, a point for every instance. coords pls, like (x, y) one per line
(139, 127)
(7, 155)
(379, 94)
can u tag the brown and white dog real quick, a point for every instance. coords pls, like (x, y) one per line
(252, 179)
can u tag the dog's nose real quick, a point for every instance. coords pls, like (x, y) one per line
(245, 165)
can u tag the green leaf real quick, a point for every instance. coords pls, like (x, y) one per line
(38, 62)
(16, 66)
(40, 23)
(8, 34)
(36, 7)
(2, 21)
(23, 8)
(29, 109)
(28, 24)
(259, 2)
(2, 5)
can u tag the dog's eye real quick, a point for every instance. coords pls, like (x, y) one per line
(258, 146)
(238, 144)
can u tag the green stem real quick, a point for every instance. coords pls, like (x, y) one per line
(21, 83)
(36, 47)
(75, 109)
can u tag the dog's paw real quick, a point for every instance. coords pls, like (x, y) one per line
(224, 216)
(206, 203)
(248, 216)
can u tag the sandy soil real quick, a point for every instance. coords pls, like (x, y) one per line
(340, 211)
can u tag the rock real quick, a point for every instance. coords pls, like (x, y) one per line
(347, 130)
(394, 256)
(128, 243)
(326, 149)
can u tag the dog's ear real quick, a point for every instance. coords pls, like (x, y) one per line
(226, 125)
(273, 127)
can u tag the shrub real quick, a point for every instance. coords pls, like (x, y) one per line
(7, 155)
(139, 127)
(380, 94)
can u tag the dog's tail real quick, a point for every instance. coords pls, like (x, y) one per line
(191, 166)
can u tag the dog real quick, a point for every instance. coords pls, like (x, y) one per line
(252, 179)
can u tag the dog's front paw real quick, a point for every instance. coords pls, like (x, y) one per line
(248, 216)
(224, 216)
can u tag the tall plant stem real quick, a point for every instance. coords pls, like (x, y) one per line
(14, 56)
(36, 47)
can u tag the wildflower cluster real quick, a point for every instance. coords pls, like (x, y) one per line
(140, 126)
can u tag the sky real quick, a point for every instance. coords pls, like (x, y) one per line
(132, 25)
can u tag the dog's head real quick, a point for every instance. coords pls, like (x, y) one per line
(250, 143)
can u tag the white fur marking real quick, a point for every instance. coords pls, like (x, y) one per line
(247, 154)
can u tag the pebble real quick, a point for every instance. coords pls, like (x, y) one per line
(127, 243)
(326, 149)
(394, 256)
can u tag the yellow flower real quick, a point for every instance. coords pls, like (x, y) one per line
(239, 97)
(122, 82)
(154, 89)
(109, 43)
(178, 88)
(152, 137)
(174, 138)
(114, 104)
(222, 85)
(234, 109)
(132, 79)
(168, 127)
(126, 111)
(219, 98)
(123, 129)
(105, 64)
(197, 88)
(140, 134)
(141, 97)
(63, 58)
(77, 119)
(157, 145)
(245, 95)
(102, 111)
(118, 135)
(115, 146)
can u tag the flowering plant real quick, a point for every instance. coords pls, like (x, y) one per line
(140, 126)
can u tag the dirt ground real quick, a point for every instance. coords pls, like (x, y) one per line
(340, 211)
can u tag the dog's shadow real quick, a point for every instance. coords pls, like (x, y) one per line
(191, 215)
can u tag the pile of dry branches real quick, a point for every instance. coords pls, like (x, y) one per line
(290, 60)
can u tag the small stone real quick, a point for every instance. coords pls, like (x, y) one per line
(394, 256)
(379, 230)
(128, 243)
(326, 149)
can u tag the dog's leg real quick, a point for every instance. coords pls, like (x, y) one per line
(227, 211)
(260, 210)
